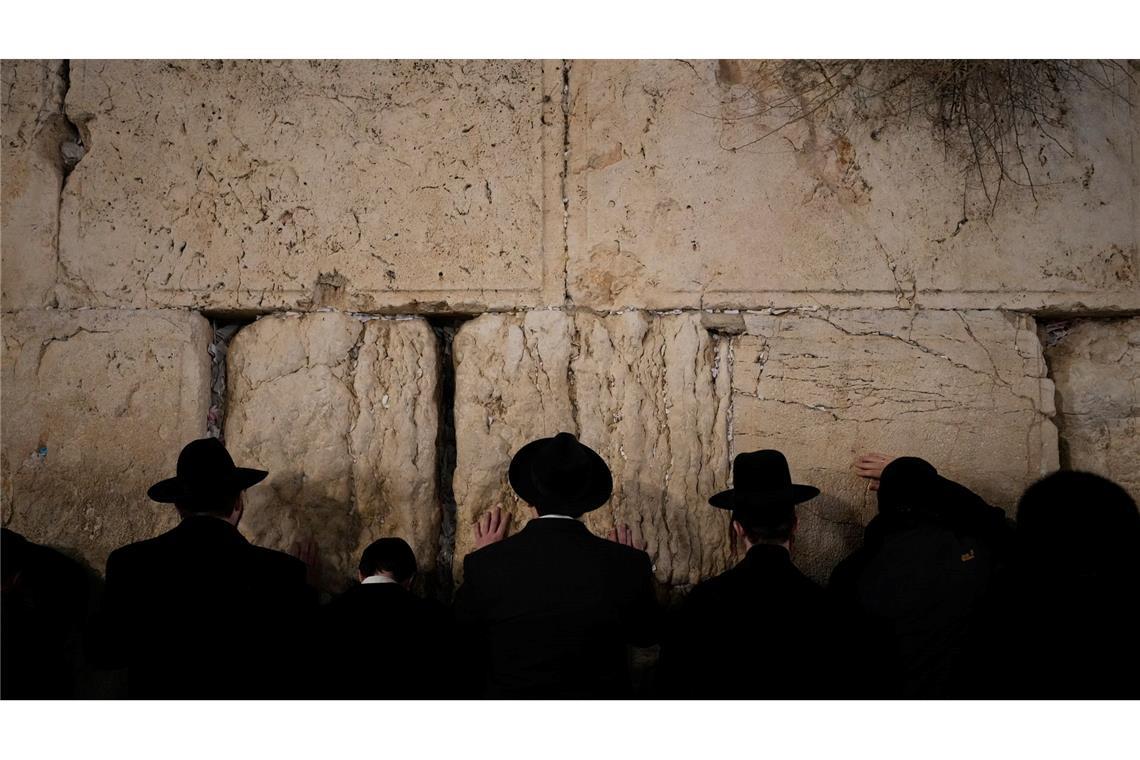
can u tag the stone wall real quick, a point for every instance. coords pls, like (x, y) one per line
(636, 263)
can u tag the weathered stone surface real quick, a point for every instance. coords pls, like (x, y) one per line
(675, 201)
(1096, 366)
(32, 175)
(343, 412)
(96, 406)
(965, 390)
(649, 393)
(361, 185)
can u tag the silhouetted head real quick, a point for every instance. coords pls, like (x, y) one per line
(390, 556)
(1072, 515)
(560, 475)
(763, 497)
(775, 523)
(909, 485)
(206, 481)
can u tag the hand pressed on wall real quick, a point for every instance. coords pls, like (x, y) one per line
(870, 465)
(309, 552)
(491, 527)
(624, 535)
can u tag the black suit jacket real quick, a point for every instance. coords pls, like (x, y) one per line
(199, 612)
(381, 641)
(917, 588)
(761, 630)
(549, 613)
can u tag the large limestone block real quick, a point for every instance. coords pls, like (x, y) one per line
(965, 390)
(360, 185)
(1096, 366)
(678, 200)
(31, 175)
(343, 413)
(649, 393)
(96, 406)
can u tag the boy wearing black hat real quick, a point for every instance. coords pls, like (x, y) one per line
(199, 612)
(549, 611)
(761, 630)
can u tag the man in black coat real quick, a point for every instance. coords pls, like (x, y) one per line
(378, 640)
(44, 608)
(761, 630)
(199, 612)
(921, 580)
(1065, 623)
(550, 611)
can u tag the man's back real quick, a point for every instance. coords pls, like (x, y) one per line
(381, 641)
(549, 612)
(761, 630)
(199, 612)
(918, 586)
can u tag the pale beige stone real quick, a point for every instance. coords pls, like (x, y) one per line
(676, 201)
(343, 413)
(650, 393)
(96, 406)
(1096, 366)
(965, 390)
(360, 185)
(31, 175)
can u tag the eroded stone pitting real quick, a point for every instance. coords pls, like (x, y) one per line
(96, 405)
(967, 391)
(343, 412)
(1095, 364)
(638, 388)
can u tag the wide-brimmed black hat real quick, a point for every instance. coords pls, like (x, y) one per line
(561, 475)
(759, 479)
(205, 472)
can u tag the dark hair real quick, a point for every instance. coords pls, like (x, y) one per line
(1058, 512)
(390, 555)
(773, 524)
(223, 505)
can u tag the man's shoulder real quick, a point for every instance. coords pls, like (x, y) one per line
(139, 551)
(273, 559)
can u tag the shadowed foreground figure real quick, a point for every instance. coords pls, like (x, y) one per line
(920, 580)
(761, 630)
(549, 612)
(1066, 621)
(199, 612)
(378, 640)
(44, 607)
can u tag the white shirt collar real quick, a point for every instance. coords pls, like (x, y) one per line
(378, 578)
(560, 517)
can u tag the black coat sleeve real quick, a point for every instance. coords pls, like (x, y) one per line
(470, 630)
(643, 620)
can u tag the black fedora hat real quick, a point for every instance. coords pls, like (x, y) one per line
(205, 472)
(759, 479)
(561, 475)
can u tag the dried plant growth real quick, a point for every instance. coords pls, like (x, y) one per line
(993, 114)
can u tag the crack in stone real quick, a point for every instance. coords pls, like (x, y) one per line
(444, 329)
(564, 187)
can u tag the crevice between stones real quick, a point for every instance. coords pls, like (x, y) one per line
(1050, 333)
(442, 585)
(66, 143)
(223, 331)
(565, 184)
(72, 147)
